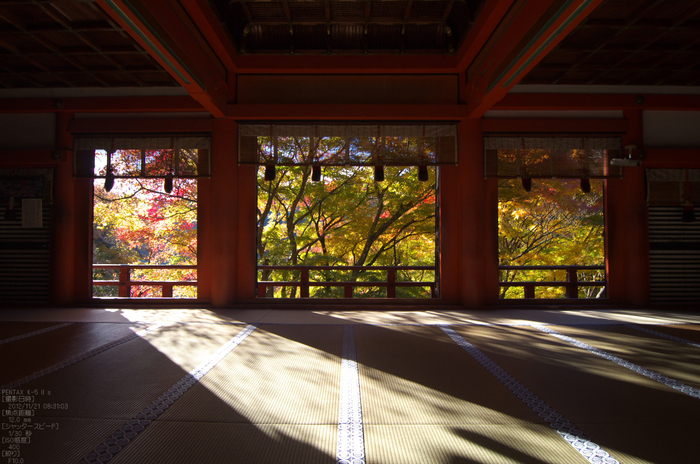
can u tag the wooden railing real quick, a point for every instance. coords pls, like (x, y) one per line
(571, 284)
(304, 282)
(125, 283)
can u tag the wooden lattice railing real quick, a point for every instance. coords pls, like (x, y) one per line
(305, 282)
(125, 283)
(571, 284)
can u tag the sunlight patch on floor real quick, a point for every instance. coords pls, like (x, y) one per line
(155, 316)
(380, 317)
(188, 345)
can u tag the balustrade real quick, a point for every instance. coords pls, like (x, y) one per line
(125, 283)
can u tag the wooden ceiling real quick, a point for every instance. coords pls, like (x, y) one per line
(60, 43)
(348, 27)
(70, 43)
(628, 42)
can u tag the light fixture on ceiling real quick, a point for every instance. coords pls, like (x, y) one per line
(315, 173)
(270, 172)
(629, 161)
(527, 183)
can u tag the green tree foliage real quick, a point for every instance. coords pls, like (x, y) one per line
(138, 223)
(346, 219)
(555, 224)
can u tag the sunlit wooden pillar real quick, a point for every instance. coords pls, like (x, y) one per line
(627, 236)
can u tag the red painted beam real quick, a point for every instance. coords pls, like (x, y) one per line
(672, 158)
(582, 101)
(569, 125)
(670, 102)
(530, 31)
(488, 18)
(84, 126)
(166, 32)
(32, 157)
(347, 112)
(336, 64)
(100, 105)
(209, 25)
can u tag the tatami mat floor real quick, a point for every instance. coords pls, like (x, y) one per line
(375, 387)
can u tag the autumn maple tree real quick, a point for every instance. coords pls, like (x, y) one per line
(347, 219)
(137, 222)
(554, 224)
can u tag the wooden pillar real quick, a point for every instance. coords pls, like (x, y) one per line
(450, 232)
(479, 261)
(83, 240)
(63, 220)
(218, 221)
(469, 259)
(227, 220)
(627, 235)
(205, 251)
(71, 220)
(247, 229)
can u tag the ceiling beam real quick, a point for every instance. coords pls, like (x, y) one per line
(654, 38)
(346, 64)
(347, 112)
(165, 30)
(551, 125)
(669, 158)
(527, 33)
(209, 25)
(487, 20)
(596, 102)
(64, 21)
(86, 126)
(629, 23)
(164, 104)
(18, 23)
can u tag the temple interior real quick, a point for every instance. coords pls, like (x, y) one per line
(455, 347)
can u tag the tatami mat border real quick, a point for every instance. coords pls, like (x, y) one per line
(351, 442)
(568, 431)
(668, 381)
(36, 332)
(350, 424)
(129, 430)
(663, 335)
(80, 357)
